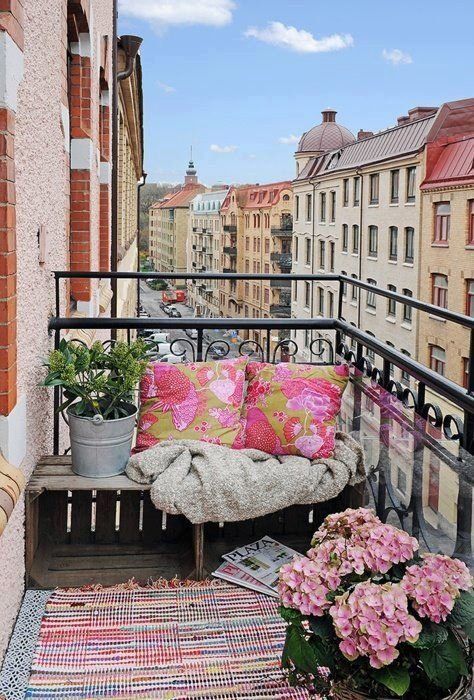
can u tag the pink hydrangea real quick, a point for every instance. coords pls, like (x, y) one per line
(351, 522)
(372, 620)
(302, 587)
(387, 545)
(434, 585)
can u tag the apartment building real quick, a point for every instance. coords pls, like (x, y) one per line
(130, 172)
(55, 146)
(204, 249)
(358, 212)
(257, 228)
(169, 224)
(447, 241)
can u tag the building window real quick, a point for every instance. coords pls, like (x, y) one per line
(409, 244)
(392, 243)
(309, 207)
(405, 376)
(297, 207)
(392, 368)
(355, 238)
(407, 310)
(470, 239)
(345, 190)
(470, 297)
(330, 304)
(411, 182)
(371, 356)
(442, 222)
(307, 294)
(439, 291)
(354, 289)
(394, 183)
(356, 195)
(307, 339)
(345, 237)
(322, 255)
(322, 206)
(332, 213)
(307, 251)
(320, 301)
(437, 359)
(296, 250)
(247, 289)
(465, 372)
(331, 256)
(371, 303)
(295, 291)
(373, 241)
(374, 189)
(391, 303)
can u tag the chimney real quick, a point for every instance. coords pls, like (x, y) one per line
(361, 134)
(329, 115)
(420, 112)
(403, 120)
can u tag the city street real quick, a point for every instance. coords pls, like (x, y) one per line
(150, 300)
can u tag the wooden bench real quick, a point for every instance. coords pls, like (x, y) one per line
(83, 531)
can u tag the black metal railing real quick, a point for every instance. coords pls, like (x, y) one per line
(446, 430)
(230, 228)
(230, 250)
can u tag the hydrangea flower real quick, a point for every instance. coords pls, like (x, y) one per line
(372, 620)
(434, 585)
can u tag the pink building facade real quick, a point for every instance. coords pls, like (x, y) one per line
(55, 73)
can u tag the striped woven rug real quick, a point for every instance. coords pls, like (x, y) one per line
(172, 641)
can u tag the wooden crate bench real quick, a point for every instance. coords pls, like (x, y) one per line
(81, 530)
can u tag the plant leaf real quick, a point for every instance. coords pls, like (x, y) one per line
(321, 627)
(431, 635)
(444, 663)
(298, 650)
(394, 678)
(462, 614)
(290, 615)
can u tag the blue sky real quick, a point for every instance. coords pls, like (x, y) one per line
(235, 77)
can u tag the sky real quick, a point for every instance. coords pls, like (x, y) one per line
(241, 80)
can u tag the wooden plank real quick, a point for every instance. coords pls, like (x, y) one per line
(106, 517)
(297, 520)
(70, 481)
(177, 527)
(31, 531)
(152, 528)
(81, 517)
(129, 529)
(272, 524)
(53, 516)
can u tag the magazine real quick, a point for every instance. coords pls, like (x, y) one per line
(230, 572)
(261, 560)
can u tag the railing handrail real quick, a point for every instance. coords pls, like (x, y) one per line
(446, 314)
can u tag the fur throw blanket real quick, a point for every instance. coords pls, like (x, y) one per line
(214, 483)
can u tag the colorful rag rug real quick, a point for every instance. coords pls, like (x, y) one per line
(172, 641)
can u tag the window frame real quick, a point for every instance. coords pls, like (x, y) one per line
(307, 295)
(409, 245)
(356, 191)
(309, 207)
(345, 238)
(470, 297)
(393, 236)
(442, 224)
(394, 190)
(439, 292)
(332, 206)
(322, 255)
(322, 207)
(374, 188)
(355, 238)
(470, 222)
(437, 362)
(371, 300)
(345, 191)
(391, 303)
(410, 190)
(373, 235)
(407, 314)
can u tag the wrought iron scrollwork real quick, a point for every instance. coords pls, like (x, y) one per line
(218, 344)
(249, 343)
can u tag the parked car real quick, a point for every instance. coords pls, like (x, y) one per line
(174, 313)
(217, 352)
(191, 333)
(159, 337)
(159, 349)
(173, 359)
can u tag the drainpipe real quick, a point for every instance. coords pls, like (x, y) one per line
(314, 184)
(139, 190)
(361, 204)
(131, 45)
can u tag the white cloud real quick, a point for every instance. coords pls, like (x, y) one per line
(222, 149)
(299, 40)
(252, 156)
(289, 139)
(165, 87)
(397, 57)
(164, 13)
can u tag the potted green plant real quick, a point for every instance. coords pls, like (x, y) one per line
(370, 618)
(99, 389)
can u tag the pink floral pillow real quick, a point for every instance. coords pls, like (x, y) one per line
(192, 401)
(292, 409)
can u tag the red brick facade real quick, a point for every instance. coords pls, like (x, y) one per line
(11, 21)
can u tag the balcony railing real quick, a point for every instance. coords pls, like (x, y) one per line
(285, 227)
(230, 228)
(283, 260)
(280, 284)
(230, 250)
(418, 439)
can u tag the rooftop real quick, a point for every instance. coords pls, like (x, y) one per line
(454, 164)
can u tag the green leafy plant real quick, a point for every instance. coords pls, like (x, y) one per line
(366, 612)
(100, 380)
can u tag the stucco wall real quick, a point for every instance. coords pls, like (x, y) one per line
(42, 174)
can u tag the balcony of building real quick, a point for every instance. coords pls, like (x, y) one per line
(417, 440)
(284, 228)
(230, 250)
(230, 228)
(280, 284)
(282, 260)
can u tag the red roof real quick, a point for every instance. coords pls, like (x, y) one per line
(257, 196)
(181, 198)
(454, 165)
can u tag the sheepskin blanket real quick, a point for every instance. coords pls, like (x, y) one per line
(214, 483)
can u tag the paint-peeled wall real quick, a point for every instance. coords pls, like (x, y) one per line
(42, 161)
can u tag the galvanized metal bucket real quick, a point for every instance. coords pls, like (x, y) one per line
(100, 448)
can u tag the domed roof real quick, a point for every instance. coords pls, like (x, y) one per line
(326, 136)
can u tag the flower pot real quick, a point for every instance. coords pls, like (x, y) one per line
(100, 448)
(341, 692)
